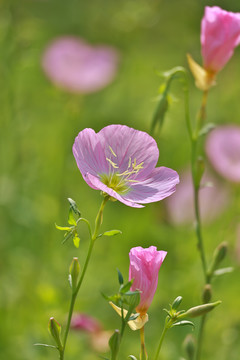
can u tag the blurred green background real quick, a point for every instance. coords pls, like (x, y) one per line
(38, 172)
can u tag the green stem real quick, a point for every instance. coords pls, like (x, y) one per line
(143, 352)
(200, 337)
(98, 223)
(160, 342)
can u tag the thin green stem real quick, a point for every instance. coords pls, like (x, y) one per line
(200, 337)
(160, 342)
(143, 352)
(98, 223)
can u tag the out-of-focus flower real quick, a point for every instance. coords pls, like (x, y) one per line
(85, 323)
(98, 337)
(78, 67)
(213, 199)
(120, 161)
(223, 150)
(144, 268)
(220, 34)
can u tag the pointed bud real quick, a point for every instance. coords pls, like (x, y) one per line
(176, 302)
(55, 330)
(207, 293)
(200, 310)
(218, 256)
(74, 271)
(189, 346)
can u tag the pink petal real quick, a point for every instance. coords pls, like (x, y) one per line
(160, 184)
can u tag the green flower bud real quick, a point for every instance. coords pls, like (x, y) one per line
(55, 330)
(189, 346)
(207, 293)
(176, 302)
(200, 310)
(218, 256)
(114, 343)
(74, 271)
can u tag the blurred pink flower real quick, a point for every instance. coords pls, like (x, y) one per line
(85, 323)
(120, 161)
(78, 67)
(220, 34)
(212, 198)
(223, 150)
(144, 268)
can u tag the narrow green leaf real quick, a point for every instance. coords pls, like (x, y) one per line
(223, 271)
(76, 241)
(46, 345)
(206, 129)
(67, 236)
(134, 316)
(126, 287)
(63, 228)
(112, 232)
(120, 277)
(183, 323)
(114, 343)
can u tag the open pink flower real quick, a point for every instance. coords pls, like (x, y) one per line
(223, 150)
(120, 161)
(144, 268)
(78, 67)
(213, 199)
(220, 34)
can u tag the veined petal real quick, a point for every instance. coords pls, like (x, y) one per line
(89, 154)
(129, 144)
(160, 184)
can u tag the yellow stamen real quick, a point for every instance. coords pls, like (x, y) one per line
(112, 151)
(112, 163)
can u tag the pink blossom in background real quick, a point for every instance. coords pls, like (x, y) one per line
(120, 161)
(86, 323)
(213, 200)
(144, 268)
(220, 34)
(223, 150)
(78, 67)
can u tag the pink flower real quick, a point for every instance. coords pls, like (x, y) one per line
(78, 67)
(144, 267)
(223, 150)
(85, 323)
(213, 199)
(220, 34)
(120, 161)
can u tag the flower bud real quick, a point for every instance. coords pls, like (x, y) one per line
(200, 310)
(114, 343)
(74, 271)
(207, 293)
(218, 256)
(189, 346)
(55, 330)
(176, 302)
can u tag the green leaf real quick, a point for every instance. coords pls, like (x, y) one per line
(46, 345)
(120, 277)
(63, 228)
(183, 323)
(71, 219)
(206, 129)
(114, 343)
(134, 316)
(76, 241)
(112, 232)
(126, 287)
(223, 271)
(67, 236)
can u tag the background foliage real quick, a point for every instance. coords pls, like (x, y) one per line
(38, 172)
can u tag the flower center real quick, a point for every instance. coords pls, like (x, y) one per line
(120, 182)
